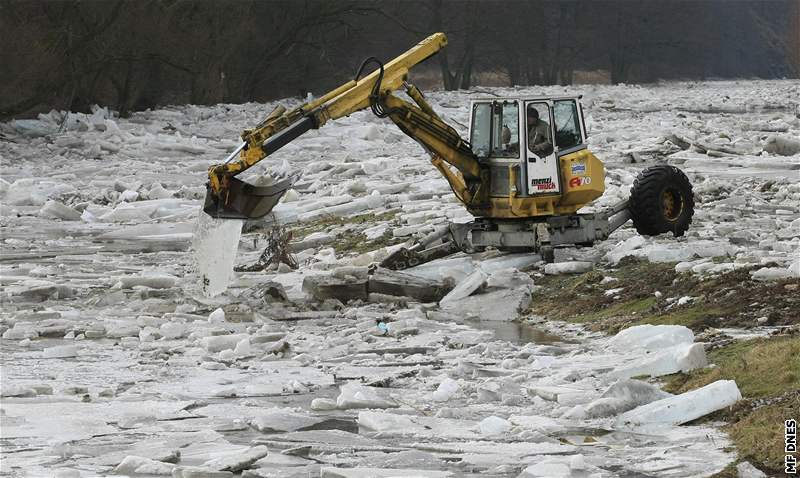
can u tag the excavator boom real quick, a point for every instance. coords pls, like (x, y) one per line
(229, 197)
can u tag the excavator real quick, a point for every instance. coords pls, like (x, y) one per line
(523, 174)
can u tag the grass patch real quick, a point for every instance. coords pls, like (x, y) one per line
(759, 435)
(327, 223)
(350, 238)
(728, 300)
(761, 368)
(767, 372)
(357, 242)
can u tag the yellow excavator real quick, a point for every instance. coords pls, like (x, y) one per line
(524, 173)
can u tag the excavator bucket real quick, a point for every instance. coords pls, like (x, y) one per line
(245, 201)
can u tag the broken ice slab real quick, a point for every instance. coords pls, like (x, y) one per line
(573, 466)
(57, 210)
(285, 421)
(354, 395)
(651, 337)
(353, 283)
(498, 305)
(622, 396)
(401, 425)
(465, 287)
(237, 461)
(60, 351)
(678, 358)
(537, 423)
(153, 280)
(572, 267)
(143, 466)
(358, 472)
(396, 283)
(215, 244)
(199, 472)
(683, 408)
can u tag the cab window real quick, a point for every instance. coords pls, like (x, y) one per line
(480, 131)
(495, 129)
(568, 129)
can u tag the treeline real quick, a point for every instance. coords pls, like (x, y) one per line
(138, 54)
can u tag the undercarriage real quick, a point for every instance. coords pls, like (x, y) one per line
(540, 235)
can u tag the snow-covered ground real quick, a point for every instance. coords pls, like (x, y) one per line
(110, 349)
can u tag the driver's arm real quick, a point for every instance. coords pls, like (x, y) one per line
(544, 141)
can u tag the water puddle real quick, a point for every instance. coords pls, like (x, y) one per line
(516, 332)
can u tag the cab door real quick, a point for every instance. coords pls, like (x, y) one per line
(541, 163)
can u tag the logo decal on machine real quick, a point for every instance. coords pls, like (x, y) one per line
(580, 181)
(543, 184)
(578, 168)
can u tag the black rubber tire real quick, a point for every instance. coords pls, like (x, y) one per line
(661, 201)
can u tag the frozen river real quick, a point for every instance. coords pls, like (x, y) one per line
(113, 359)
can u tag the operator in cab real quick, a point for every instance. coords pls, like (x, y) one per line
(540, 141)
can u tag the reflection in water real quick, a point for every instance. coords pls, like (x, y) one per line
(516, 332)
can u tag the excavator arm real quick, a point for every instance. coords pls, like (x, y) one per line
(229, 197)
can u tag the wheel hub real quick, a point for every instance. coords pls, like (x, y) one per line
(671, 204)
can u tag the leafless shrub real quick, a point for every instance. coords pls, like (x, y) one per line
(276, 252)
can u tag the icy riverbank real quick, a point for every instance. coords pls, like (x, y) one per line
(111, 350)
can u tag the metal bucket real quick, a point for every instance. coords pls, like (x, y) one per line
(245, 201)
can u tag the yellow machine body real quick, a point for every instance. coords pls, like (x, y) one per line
(487, 186)
(579, 189)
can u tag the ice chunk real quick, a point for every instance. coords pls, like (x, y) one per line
(237, 461)
(140, 465)
(323, 404)
(363, 472)
(625, 248)
(172, 330)
(199, 472)
(685, 407)
(651, 337)
(215, 244)
(624, 395)
(57, 210)
(572, 267)
(66, 473)
(746, 470)
(218, 315)
(243, 348)
(771, 273)
(446, 390)
(284, 421)
(465, 288)
(536, 423)
(548, 470)
(782, 145)
(218, 343)
(678, 358)
(509, 278)
(494, 425)
(154, 281)
(60, 351)
(353, 395)
(18, 391)
(499, 305)
(34, 191)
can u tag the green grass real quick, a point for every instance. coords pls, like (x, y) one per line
(329, 222)
(759, 436)
(766, 369)
(760, 367)
(351, 240)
